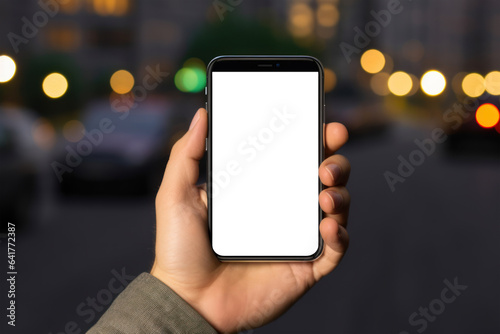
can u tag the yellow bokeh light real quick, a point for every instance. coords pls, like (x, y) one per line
(400, 83)
(487, 115)
(473, 85)
(111, 7)
(55, 85)
(330, 80)
(327, 15)
(378, 83)
(301, 19)
(7, 68)
(301, 15)
(492, 83)
(372, 61)
(122, 82)
(433, 83)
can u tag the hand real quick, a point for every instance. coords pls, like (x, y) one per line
(238, 296)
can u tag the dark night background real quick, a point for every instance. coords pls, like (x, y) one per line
(73, 236)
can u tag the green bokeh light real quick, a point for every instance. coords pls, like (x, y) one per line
(191, 80)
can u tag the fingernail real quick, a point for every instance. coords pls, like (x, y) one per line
(195, 120)
(334, 171)
(336, 198)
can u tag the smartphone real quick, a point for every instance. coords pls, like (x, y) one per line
(264, 148)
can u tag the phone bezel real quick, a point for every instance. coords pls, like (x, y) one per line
(251, 64)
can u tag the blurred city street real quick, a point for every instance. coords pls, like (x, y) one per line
(94, 93)
(441, 223)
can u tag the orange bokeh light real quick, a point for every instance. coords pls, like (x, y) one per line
(487, 115)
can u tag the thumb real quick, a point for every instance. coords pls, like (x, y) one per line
(183, 165)
(336, 243)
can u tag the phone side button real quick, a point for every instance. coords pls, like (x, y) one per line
(206, 144)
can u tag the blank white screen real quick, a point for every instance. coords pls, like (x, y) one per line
(265, 128)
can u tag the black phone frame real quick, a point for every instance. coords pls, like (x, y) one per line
(265, 64)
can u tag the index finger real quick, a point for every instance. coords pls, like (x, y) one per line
(335, 136)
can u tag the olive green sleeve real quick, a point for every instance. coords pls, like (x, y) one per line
(149, 306)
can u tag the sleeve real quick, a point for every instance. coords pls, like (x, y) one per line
(149, 306)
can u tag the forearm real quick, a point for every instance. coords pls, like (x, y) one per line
(147, 305)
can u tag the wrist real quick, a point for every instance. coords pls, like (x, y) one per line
(195, 297)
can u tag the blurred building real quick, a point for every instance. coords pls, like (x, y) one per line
(103, 35)
(107, 35)
(450, 35)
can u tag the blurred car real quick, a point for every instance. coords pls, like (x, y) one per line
(19, 157)
(362, 116)
(469, 138)
(131, 158)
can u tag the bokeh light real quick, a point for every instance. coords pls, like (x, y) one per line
(55, 85)
(400, 83)
(473, 85)
(301, 19)
(330, 80)
(122, 82)
(327, 15)
(487, 115)
(190, 80)
(372, 61)
(7, 68)
(433, 83)
(73, 131)
(110, 7)
(378, 84)
(492, 83)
